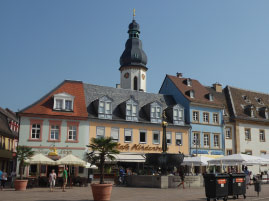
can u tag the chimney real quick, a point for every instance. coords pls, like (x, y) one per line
(218, 87)
(179, 75)
(118, 86)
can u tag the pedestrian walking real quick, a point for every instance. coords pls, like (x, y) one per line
(182, 177)
(4, 180)
(13, 177)
(65, 178)
(247, 176)
(52, 180)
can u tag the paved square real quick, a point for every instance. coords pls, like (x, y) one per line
(122, 194)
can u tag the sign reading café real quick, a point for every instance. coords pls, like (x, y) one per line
(138, 147)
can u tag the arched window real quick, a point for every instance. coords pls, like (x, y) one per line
(135, 83)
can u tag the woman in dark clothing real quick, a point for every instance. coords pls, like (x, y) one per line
(182, 176)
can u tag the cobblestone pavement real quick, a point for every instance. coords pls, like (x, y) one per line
(122, 194)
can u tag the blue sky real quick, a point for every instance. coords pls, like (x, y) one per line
(44, 42)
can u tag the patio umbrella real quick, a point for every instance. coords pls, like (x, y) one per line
(239, 159)
(71, 160)
(196, 161)
(40, 159)
(88, 165)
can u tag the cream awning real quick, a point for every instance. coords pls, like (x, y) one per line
(71, 160)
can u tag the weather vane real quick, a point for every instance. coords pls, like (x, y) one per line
(133, 13)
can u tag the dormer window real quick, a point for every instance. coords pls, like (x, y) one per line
(252, 111)
(191, 94)
(105, 108)
(131, 110)
(259, 100)
(210, 97)
(155, 112)
(189, 82)
(63, 102)
(178, 115)
(246, 99)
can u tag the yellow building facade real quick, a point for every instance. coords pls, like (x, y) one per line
(149, 146)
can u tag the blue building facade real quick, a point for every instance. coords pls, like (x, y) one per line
(202, 111)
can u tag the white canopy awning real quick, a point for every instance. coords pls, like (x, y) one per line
(123, 157)
(40, 159)
(196, 161)
(239, 159)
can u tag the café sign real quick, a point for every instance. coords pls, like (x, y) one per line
(138, 147)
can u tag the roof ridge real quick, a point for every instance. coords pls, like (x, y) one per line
(126, 89)
(184, 78)
(248, 90)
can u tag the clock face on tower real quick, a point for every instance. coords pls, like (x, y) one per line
(143, 76)
(126, 75)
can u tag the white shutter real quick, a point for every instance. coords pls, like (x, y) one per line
(128, 132)
(178, 136)
(100, 132)
(115, 133)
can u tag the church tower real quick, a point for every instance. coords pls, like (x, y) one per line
(133, 61)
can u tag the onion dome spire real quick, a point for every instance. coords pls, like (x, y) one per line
(133, 54)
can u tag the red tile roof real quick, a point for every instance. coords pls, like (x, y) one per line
(44, 106)
(201, 92)
(242, 98)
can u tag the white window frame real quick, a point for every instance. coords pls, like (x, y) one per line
(131, 110)
(35, 129)
(191, 94)
(215, 118)
(195, 118)
(229, 131)
(142, 131)
(158, 133)
(111, 134)
(196, 140)
(53, 131)
(247, 134)
(98, 130)
(72, 133)
(103, 109)
(208, 139)
(63, 97)
(218, 141)
(154, 113)
(262, 135)
(178, 112)
(179, 136)
(131, 132)
(169, 134)
(206, 117)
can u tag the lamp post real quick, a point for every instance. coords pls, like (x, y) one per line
(164, 125)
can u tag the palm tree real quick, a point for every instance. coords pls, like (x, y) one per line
(23, 153)
(102, 148)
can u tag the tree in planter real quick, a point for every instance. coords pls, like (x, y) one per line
(23, 153)
(102, 148)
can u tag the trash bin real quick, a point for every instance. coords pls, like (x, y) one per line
(216, 186)
(257, 186)
(237, 185)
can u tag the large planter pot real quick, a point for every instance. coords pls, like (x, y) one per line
(20, 185)
(101, 192)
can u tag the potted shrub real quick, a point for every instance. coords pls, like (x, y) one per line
(23, 153)
(102, 148)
